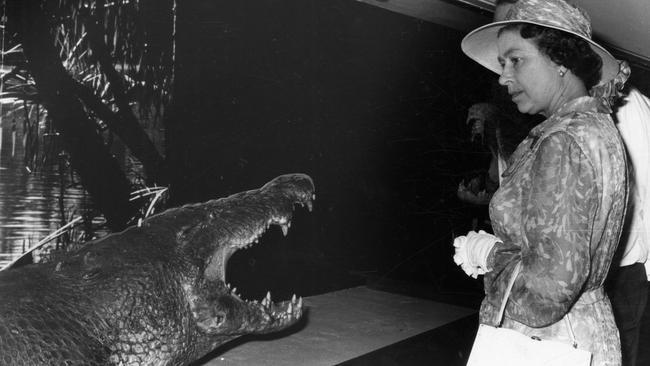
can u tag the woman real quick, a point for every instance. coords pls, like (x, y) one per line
(560, 206)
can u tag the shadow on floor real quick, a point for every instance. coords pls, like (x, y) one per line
(448, 345)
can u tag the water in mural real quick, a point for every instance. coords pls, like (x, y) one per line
(30, 208)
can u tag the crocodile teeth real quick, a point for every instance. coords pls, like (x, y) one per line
(266, 301)
(285, 229)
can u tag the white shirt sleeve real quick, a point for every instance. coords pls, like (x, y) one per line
(634, 126)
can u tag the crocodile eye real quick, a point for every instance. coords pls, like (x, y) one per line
(219, 319)
(212, 321)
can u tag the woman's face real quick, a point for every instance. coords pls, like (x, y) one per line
(531, 77)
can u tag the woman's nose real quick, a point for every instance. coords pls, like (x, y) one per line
(505, 77)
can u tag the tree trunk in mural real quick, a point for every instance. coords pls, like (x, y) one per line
(100, 173)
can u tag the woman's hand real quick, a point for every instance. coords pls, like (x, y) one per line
(472, 251)
(461, 257)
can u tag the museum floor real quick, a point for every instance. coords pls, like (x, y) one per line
(431, 341)
(448, 345)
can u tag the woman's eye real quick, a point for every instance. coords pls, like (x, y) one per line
(515, 61)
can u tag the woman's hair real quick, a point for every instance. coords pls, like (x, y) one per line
(564, 49)
(500, 2)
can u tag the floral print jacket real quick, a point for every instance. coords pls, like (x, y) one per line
(559, 211)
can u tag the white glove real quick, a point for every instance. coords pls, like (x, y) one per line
(460, 257)
(478, 248)
(472, 251)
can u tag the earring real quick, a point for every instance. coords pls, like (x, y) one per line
(562, 72)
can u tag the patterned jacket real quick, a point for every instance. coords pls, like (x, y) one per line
(559, 211)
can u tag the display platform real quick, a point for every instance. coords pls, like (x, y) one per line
(350, 326)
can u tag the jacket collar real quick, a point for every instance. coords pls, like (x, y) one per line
(578, 105)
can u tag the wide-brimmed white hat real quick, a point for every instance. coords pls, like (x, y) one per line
(481, 43)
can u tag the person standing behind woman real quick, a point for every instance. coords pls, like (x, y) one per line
(627, 282)
(559, 210)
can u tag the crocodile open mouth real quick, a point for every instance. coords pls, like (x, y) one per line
(280, 313)
(242, 219)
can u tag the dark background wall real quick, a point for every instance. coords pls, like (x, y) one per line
(371, 104)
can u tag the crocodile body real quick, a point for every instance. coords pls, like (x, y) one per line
(154, 294)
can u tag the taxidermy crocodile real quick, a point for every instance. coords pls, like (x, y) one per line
(154, 294)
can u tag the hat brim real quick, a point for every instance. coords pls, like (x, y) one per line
(480, 46)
